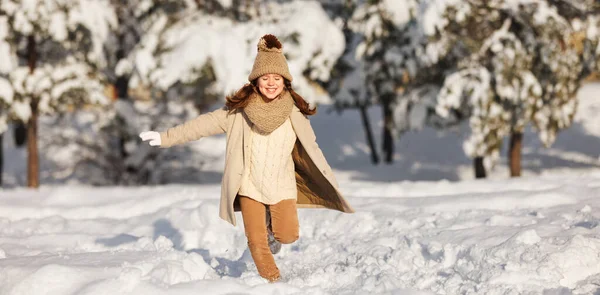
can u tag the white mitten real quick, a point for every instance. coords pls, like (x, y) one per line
(152, 136)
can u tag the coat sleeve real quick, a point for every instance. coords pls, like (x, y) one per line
(204, 125)
(314, 146)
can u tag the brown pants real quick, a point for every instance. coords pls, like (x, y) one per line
(284, 221)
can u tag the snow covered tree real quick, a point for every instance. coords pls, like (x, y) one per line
(499, 92)
(394, 65)
(135, 20)
(518, 67)
(115, 153)
(381, 68)
(347, 82)
(55, 47)
(144, 106)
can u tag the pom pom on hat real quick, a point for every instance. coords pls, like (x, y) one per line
(269, 43)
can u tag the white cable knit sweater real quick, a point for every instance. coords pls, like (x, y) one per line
(270, 177)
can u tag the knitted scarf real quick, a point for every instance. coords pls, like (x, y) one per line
(267, 116)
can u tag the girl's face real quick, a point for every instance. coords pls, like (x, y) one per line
(270, 85)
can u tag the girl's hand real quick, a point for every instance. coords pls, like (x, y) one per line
(152, 136)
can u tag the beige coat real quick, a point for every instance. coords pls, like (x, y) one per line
(317, 186)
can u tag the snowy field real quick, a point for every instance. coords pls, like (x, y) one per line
(527, 236)
(423, 225)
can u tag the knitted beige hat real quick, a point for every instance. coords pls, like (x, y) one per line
(269, 59)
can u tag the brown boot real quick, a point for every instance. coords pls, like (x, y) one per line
(274, 244)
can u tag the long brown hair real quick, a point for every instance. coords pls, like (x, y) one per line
(239, 99)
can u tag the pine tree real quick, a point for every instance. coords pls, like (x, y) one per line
(116, 155)
(136, 20)
(56, 46)
(388, 60)
(518, 67)
(400, 66)
(347, 82)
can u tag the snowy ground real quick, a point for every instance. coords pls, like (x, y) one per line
(525, 236)
(417, 230)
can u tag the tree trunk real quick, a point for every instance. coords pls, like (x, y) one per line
(388, 138)
(367, 125)
(20, 134)
(122, 87)
(514, 153)
(479, 168)
(33, 170)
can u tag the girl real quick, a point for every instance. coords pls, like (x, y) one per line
(273, 163)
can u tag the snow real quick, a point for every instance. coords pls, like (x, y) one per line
(52, 83)
(587, 110)
(7, 58)
(439, 238)
(475, 82)
(101, 19)
(56, 22)
(592, 28)
(225, 3)
(433, 11)
(400, 10)
(22, 110)
(6, 92)
(58, 26)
